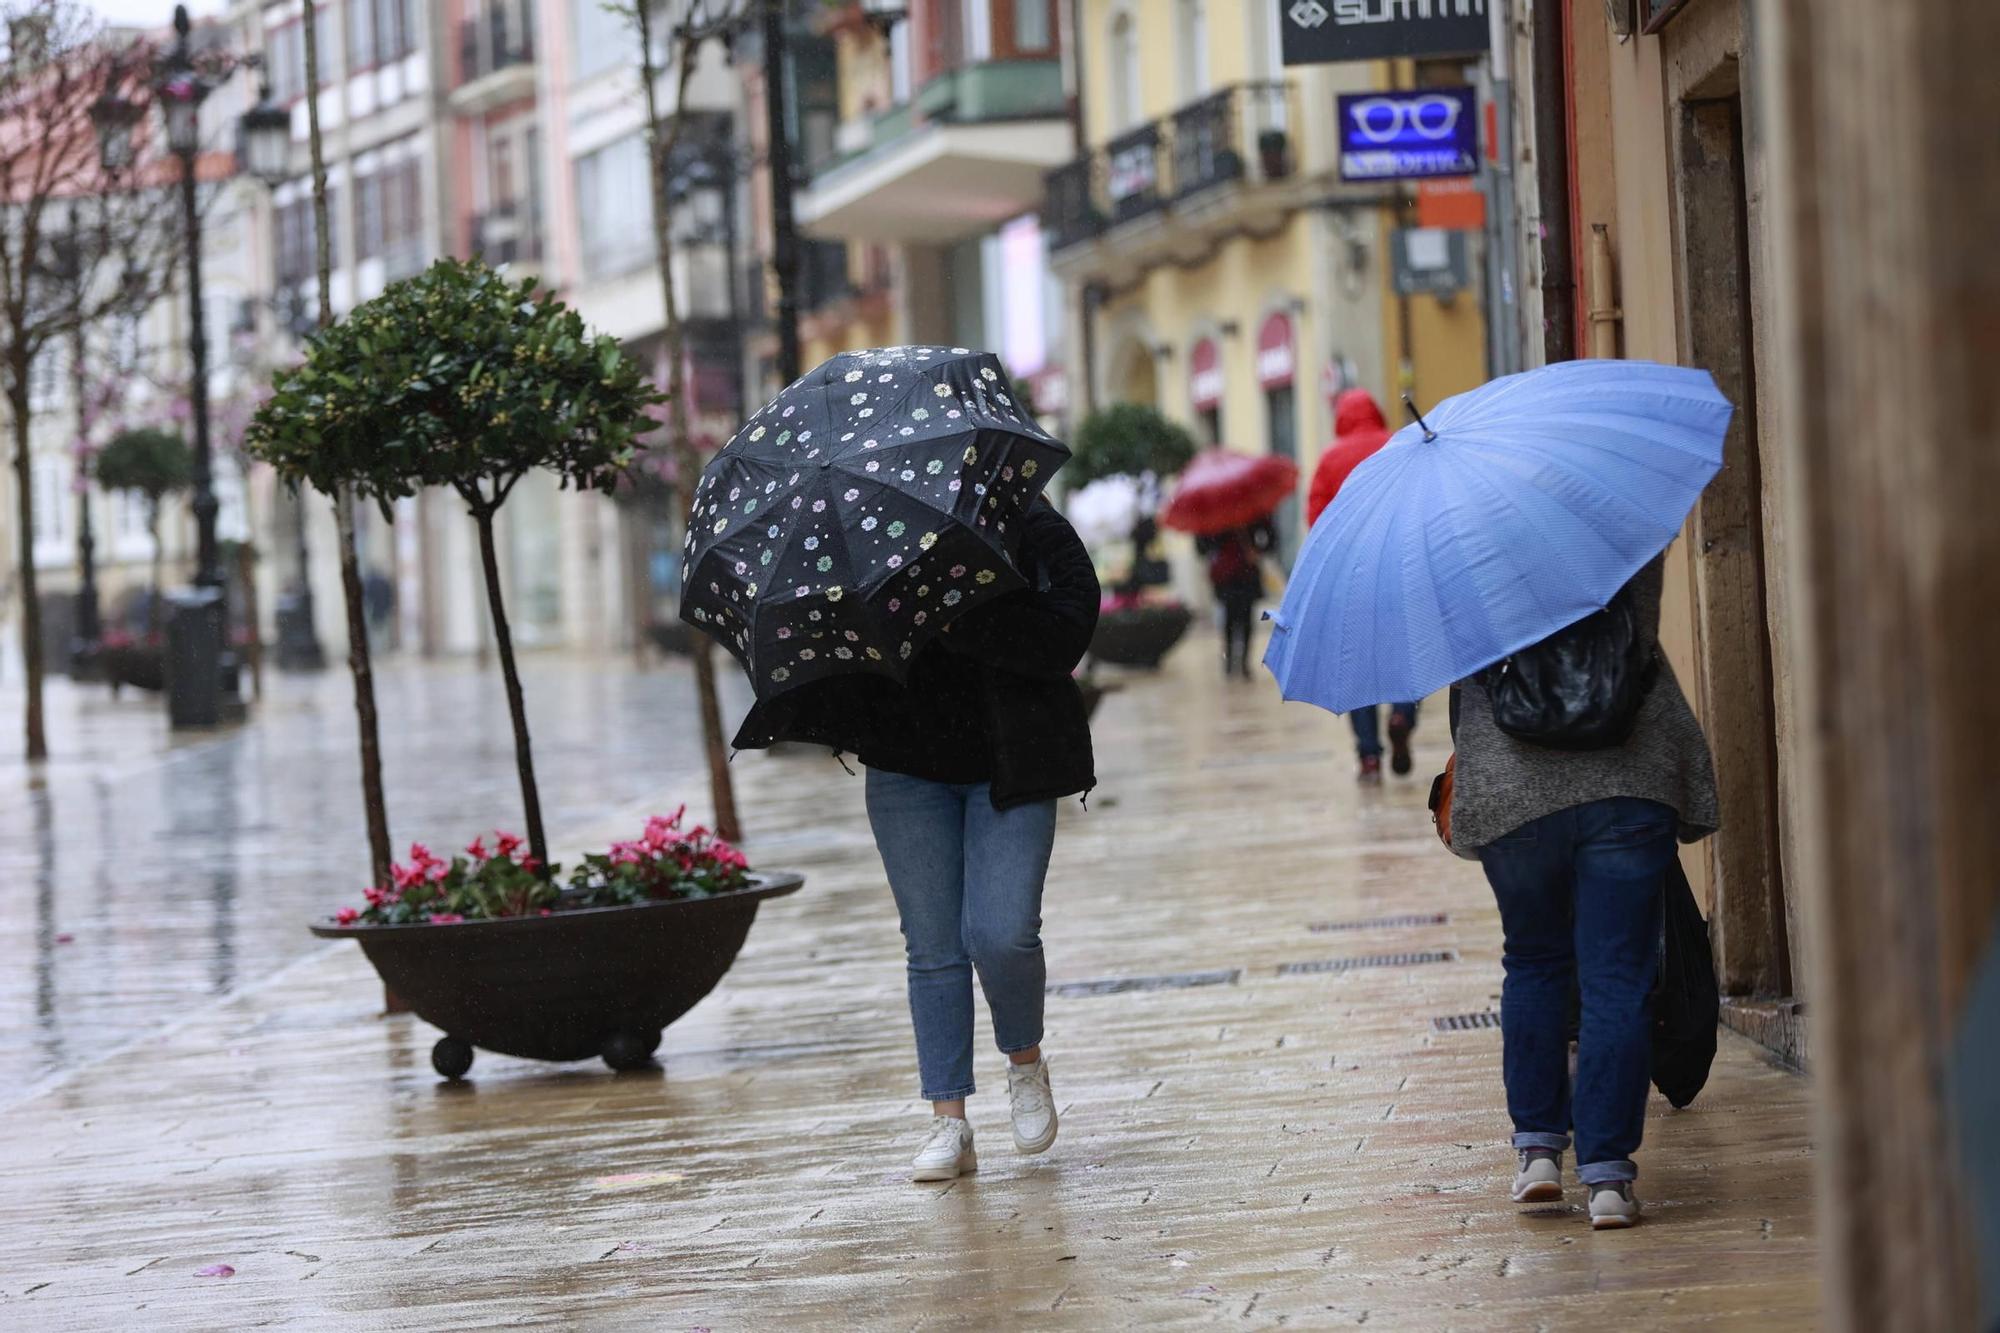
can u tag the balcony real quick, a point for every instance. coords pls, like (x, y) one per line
(1220, 163)
(496, 58)
(506, 235)
(965, 154)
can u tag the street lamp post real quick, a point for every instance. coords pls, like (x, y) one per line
(201, 667)
(264, 146)
(182, 91)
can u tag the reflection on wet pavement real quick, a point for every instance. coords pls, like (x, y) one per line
(1307, 1149)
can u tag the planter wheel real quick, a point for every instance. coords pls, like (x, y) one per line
(451, 1057)
(630, 1050)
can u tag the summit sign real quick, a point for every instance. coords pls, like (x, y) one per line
(1319, 32)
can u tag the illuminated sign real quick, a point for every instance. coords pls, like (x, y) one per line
(1319, 32)
(1413, 135)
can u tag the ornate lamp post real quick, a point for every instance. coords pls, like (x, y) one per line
(264, 148)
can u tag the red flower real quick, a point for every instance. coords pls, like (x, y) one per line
(347, 916)
(407, 876)
(477, 849)
(506, 842)
(445, 918)
(420, 854)
(530, 864)
(545, 911)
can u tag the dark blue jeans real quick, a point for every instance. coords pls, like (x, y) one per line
(1367, 724)
(1579, 894)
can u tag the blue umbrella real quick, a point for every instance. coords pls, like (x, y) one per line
(1516, 509)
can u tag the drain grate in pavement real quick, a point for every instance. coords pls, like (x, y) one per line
(1381, 922)
(1124, 985)
(1371, 960)
(1465, 1022)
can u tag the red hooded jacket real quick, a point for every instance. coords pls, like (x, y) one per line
(1358, 431)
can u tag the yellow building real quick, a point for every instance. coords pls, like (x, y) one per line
(1217, 266)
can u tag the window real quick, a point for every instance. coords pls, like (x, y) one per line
(978, 27)
(285, 56)
(394, 26)
(360, 34)
(51, 502)
(298, 259)
(1192, 37)
(45, 378)
(1124, 72)
(1033, 32)
(602, 39)
(614, 206)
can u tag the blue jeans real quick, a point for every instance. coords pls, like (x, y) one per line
(1367, 725)
(1580, 893)
(968, 885)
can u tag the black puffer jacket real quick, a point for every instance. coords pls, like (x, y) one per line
(990, 700)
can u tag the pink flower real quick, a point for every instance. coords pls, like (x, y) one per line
(445, 918)
(530, 864)
(477, 849)
(546, 912)
(505, 842)
(407, 876)
(421, 854)
(347, 916)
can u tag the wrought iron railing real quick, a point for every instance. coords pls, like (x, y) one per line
(1237, 135)
(498, 38)
(506, 235)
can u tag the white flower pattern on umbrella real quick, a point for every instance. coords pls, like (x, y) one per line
(846, 551)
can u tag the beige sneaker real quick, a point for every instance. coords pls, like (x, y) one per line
(1613, 1206)
(947, 1152)
(1540, 1178)
(1033, 1106)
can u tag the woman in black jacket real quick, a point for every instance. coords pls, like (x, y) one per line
(966, 761)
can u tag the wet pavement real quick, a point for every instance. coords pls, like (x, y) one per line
(1270, 1115)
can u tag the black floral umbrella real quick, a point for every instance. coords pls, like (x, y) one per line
(861, 510)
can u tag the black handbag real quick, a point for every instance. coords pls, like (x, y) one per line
(1582, 687)
(1687, 1003)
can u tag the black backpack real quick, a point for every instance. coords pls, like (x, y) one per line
(1582, 687)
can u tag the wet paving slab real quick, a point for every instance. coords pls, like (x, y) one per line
(1260, 1146)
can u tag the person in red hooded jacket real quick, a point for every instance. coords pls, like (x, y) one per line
(1358, 431)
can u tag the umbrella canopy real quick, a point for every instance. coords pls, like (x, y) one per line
(1524, 506)
(1222, 489)
(860, 511)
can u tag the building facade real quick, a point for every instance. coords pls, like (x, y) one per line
(1217, 268)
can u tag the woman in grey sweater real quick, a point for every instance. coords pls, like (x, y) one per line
(1577, 845)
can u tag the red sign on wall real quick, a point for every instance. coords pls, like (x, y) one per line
(1205, 374)
(1277, 360)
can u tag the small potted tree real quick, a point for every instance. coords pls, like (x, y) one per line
(151, 463)
(1119, 456)
(461, 379)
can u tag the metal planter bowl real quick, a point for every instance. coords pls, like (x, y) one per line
(573, 985)
(1140, 636)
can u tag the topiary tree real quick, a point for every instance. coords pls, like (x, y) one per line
(1128, 438)
(151, 462)
(463, 379)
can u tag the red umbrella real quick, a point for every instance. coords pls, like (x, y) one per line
(1222, 490)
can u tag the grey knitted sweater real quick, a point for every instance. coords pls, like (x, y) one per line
(1503, 783)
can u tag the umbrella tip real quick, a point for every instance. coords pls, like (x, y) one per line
(1410, 404)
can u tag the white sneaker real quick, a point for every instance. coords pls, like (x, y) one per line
(1613, 1206)
(947, 1152)
(1540, 1178)
(1033, 1106)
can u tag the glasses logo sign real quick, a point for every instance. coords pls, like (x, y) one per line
(1415, 135)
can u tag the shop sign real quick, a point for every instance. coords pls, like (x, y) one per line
(1276, 359)
(1453, 203)
(1205, 375)
(1429, 262)
(1319, 32)
(1408, 135)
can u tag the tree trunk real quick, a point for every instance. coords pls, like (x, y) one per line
(722, 790)
(362, 668)
(37, 742)
(517, 705)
